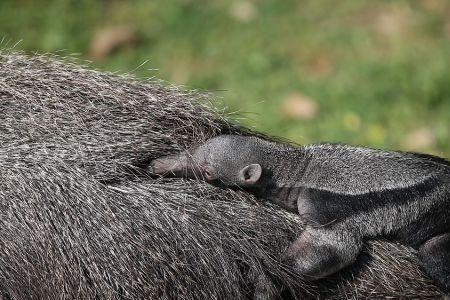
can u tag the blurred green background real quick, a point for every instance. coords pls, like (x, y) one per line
(373, 73)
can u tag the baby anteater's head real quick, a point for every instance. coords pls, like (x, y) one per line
(229, 160)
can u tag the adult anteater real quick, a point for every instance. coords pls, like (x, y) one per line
(79, 219)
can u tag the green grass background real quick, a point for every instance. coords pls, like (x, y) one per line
(378, 70)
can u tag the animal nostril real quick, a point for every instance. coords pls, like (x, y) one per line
(208, 175)
(154, 167)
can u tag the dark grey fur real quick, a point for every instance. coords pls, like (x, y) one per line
(345, 194)
(79, 219)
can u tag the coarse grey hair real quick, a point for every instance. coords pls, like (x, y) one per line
(80, 218)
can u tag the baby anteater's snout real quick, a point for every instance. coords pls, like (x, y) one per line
(175, 165)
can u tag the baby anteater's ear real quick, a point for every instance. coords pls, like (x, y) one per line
(249, 175)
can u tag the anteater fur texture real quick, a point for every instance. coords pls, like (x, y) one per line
(80, 219)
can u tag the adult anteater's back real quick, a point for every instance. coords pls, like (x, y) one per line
(107, 124)
(79, 218)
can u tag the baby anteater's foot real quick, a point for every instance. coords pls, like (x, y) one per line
(320, 252)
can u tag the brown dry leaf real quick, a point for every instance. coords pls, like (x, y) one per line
(243, 11)
(435, 6)
(321, 66)
(419, 139)
(300, 107)
(394, 21)
(107, 40)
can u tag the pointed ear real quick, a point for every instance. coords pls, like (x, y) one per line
(250, 174)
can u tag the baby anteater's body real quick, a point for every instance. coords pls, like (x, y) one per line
(346, 194)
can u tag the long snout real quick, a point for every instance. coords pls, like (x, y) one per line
(171, 165)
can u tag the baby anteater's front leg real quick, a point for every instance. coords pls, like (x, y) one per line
(319, 252)
(434, 257)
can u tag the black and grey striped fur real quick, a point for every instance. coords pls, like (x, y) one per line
(345, 194)
(77, 223)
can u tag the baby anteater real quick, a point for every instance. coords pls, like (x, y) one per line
(346, 194)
